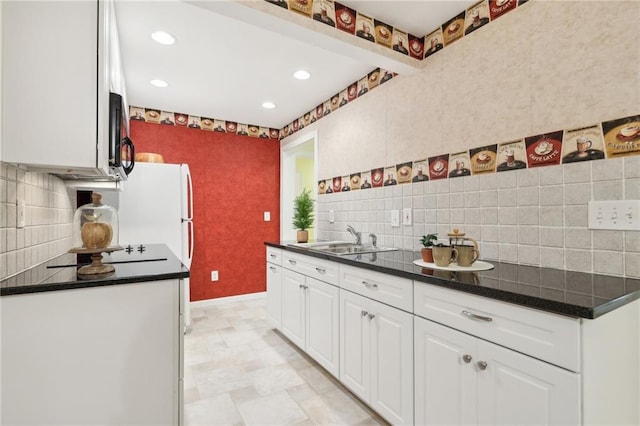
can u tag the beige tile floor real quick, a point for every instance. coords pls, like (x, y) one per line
(240, 371)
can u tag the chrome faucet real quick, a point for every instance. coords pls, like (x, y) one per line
(374, 239)
(356, 235)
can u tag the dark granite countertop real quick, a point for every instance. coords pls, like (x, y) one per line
(569, 293)
(156, 263)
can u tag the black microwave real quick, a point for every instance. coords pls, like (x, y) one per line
(121, 149)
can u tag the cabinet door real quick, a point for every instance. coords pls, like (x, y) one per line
(322, 317)
(274, 294)
(354, 343)
(293, 321)
(445, 383)
(517, 389)
(391, 352)
(70, 63)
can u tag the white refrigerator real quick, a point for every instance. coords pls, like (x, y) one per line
(156, 206)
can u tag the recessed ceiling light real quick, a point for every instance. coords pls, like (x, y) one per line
(268, 105)
(159, 83)
(302, 74)
(163, 37)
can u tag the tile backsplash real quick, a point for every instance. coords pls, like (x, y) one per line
(534, 216)
(49, 215)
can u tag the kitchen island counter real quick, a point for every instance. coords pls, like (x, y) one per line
(155, 262)
(568, 293)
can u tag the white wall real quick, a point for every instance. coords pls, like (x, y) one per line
(543, 67)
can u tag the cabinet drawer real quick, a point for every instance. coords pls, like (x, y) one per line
(274, 255)
(319, 269)
(394, 291)
(552, 338)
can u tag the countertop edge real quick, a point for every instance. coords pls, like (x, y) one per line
(41, 288)
(546, 305)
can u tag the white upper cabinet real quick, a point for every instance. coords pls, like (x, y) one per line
(60, 60)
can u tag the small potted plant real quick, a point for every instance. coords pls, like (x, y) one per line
(303, 215)
(427, 241)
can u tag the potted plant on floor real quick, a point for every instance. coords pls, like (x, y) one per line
(303, 215)
(427, 241)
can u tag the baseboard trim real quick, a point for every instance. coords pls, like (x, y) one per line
(228, 299)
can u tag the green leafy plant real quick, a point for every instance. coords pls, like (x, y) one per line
(427, 240)
(303, 211)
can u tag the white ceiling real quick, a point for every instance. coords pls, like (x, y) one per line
(221, 67)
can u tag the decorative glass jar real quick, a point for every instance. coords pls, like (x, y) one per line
(95, 225)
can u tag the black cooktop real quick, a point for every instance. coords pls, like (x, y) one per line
(568, 293)
(136, 263)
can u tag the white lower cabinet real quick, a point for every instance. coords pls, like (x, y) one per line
(310, 317)
(274, 294)
(94, 356)
(460, 379)
(376, 351)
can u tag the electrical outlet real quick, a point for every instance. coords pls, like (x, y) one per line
(406, 216)
(214, 275)
(395, 218)
(332, 216)
(267, 216)
(623, 215)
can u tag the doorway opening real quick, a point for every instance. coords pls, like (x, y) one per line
(297, 172)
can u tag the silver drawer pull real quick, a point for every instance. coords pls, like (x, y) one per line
(273, 256)
(364, 313)
(466, 358)
(482, 365)
(371, 316)
(321, 270)
(272, 268)
(293, 262)
(471, 315)
(369, 285)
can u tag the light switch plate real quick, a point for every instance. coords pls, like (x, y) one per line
(622, 215)
(214, 276)
(267, 216)
(395, 218)
(332, 216)
(22, 214)
(406, 216)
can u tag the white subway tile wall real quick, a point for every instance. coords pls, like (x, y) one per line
(531, 216)
(49, 216)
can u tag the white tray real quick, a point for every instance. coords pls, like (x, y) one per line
(478, 265)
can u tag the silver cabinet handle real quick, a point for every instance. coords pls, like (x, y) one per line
(273, 256)
(321, 270)
(482, 365)
(293, 262)
(272, 268)
(369, 285)
(471, 315)
(300, 285)
(364, 313)
(371, 316)
(467, 358)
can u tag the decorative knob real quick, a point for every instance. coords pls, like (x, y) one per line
(467, 358)
(371, 316)
(364, 313)
(482, 365)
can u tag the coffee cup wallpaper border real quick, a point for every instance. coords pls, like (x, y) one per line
(615, 138)
(358, 88)
(344, 18)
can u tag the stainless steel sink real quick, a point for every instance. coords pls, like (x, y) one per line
(343, 248)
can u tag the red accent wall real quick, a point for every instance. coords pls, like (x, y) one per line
(235, 180)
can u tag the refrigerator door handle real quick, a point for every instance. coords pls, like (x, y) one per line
(191, 241)
(190, 203)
